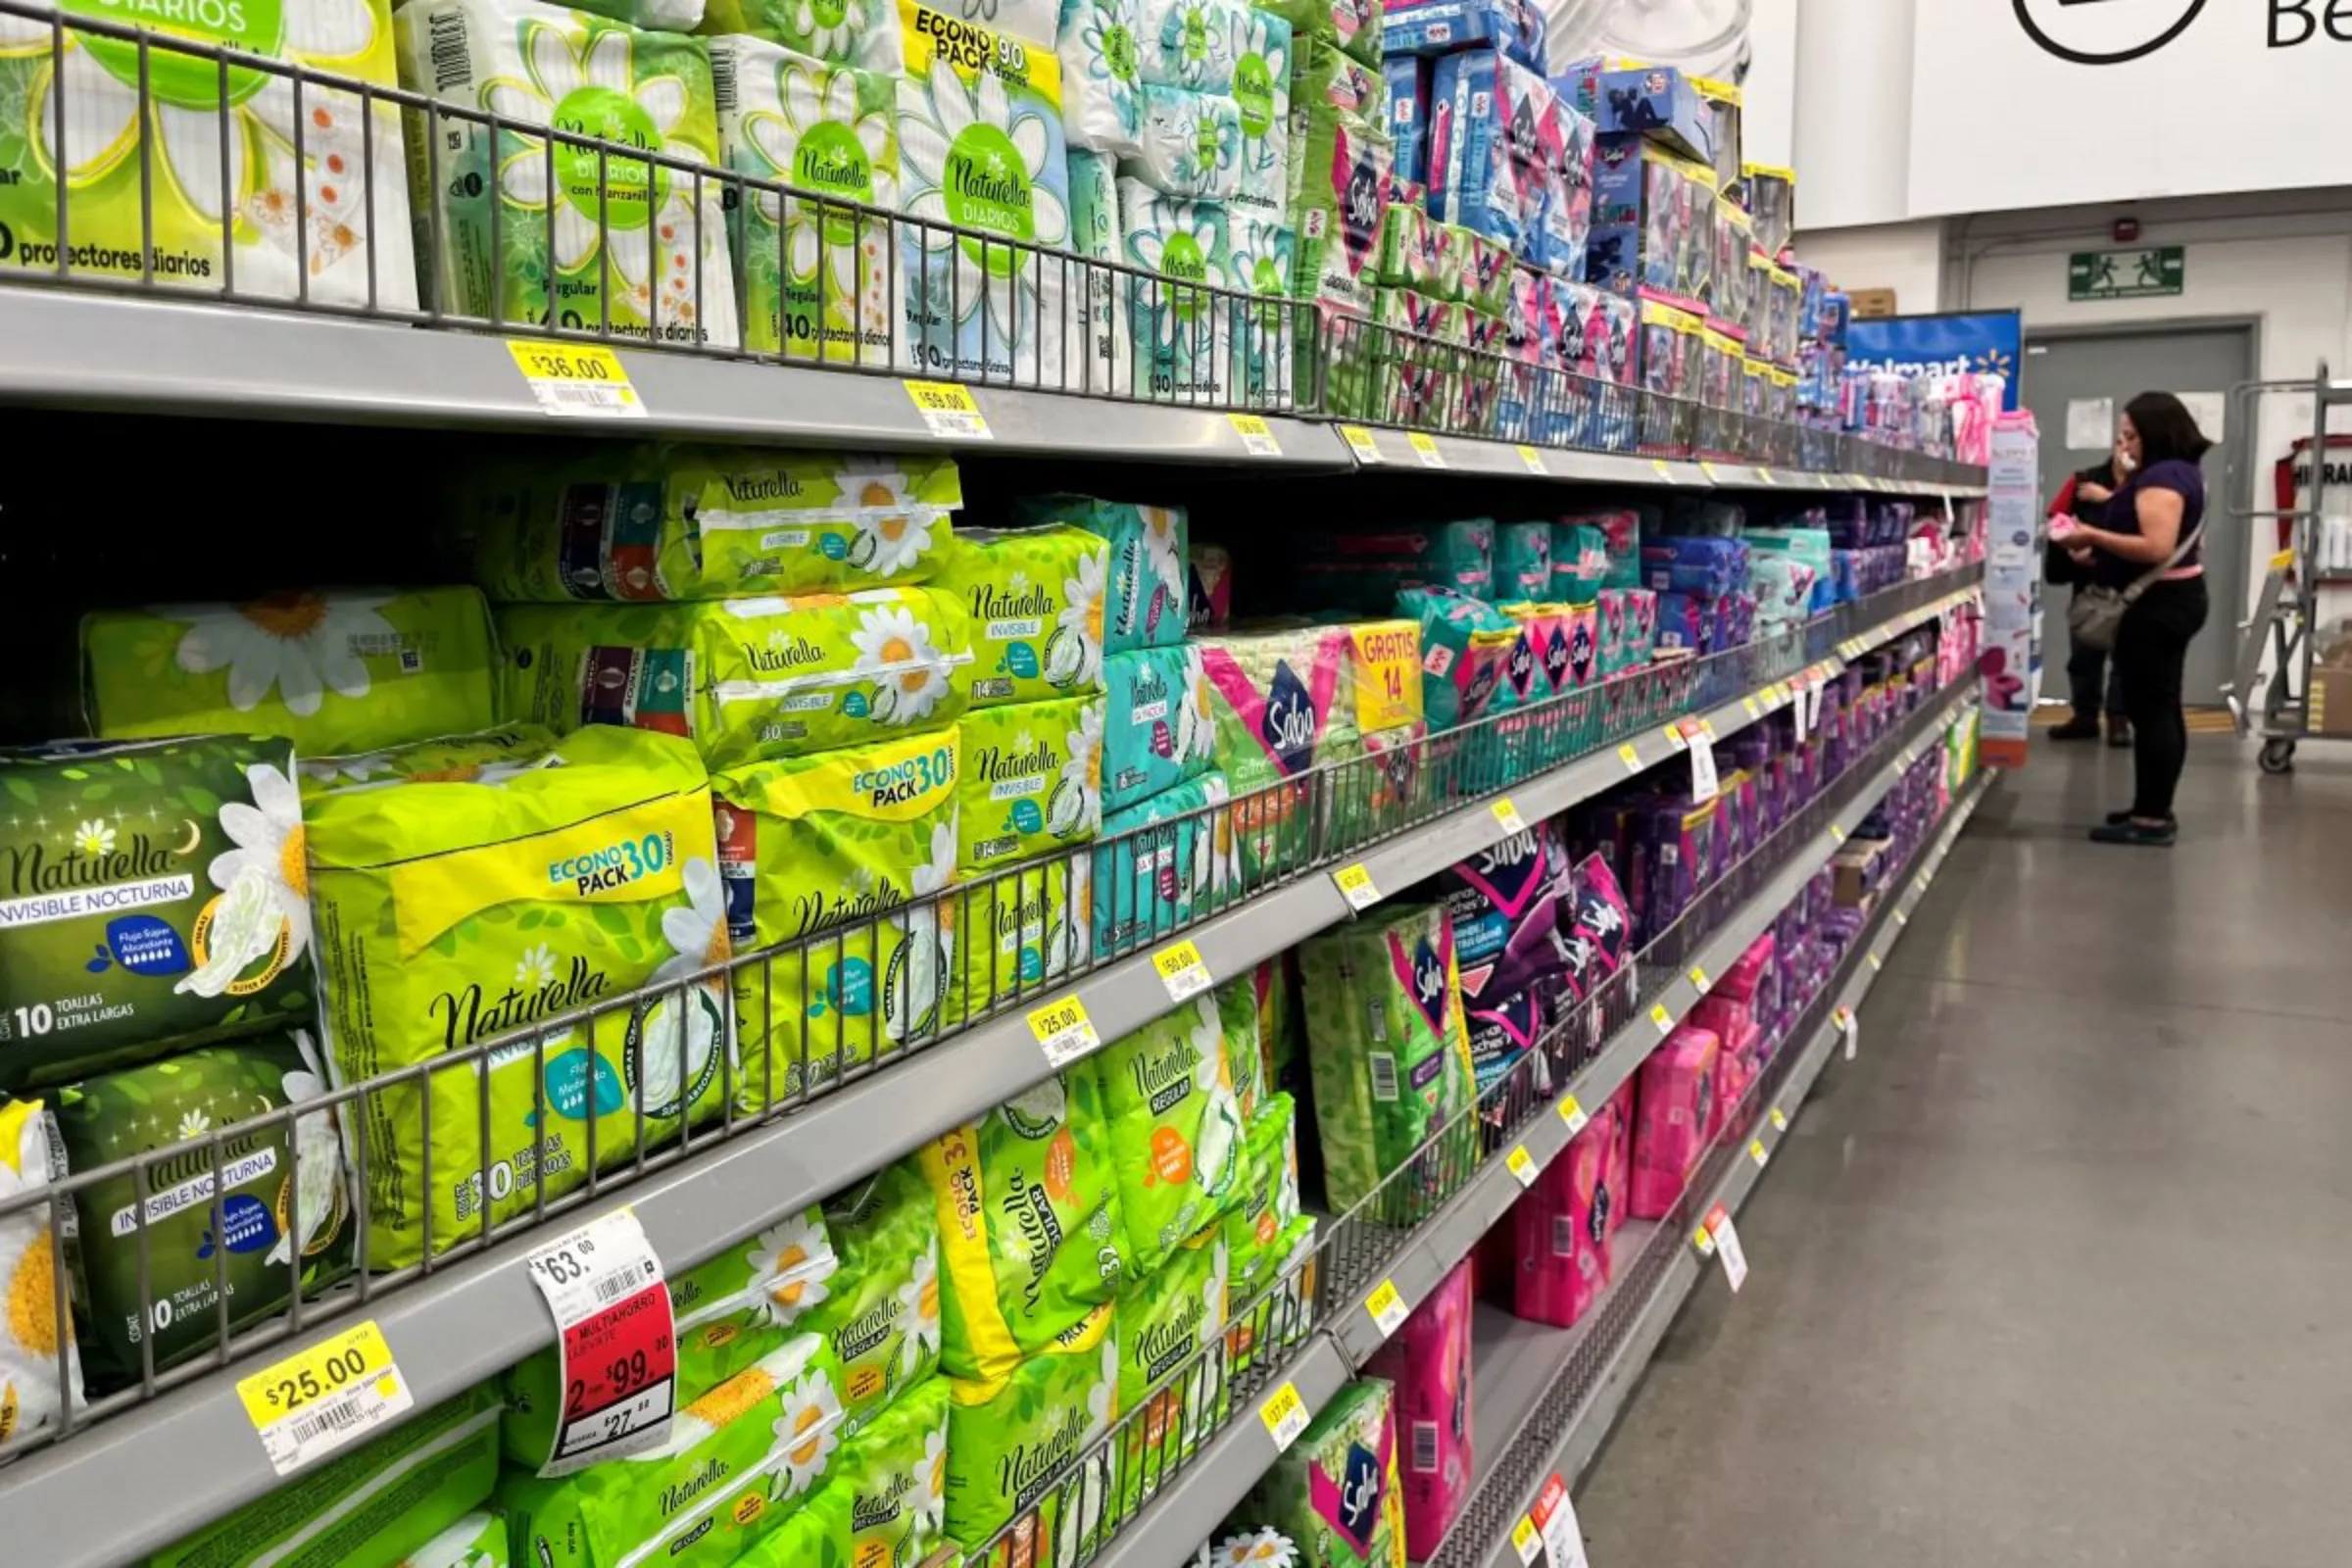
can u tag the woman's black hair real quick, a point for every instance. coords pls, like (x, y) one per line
(2167, 429)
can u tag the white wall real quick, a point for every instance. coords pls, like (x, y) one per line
(1907, 258)
(2285, 261)
(1853, 112)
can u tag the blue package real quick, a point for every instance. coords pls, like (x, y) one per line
(1157, 729)
(1156, 860)
(1657, 102)
(1693, 564)
(1844, 581)
(1562, 219)
(1433, 28)
(1686, 620)
(1474, 177)
(1578, 85)
(1408, 114)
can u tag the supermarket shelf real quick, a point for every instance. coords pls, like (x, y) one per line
(1535, 1359)
(460, 1324)
(1377, 446)
(1449, 1235)
(113, 352)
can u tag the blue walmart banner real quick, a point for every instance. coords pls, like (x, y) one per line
(1963, 340)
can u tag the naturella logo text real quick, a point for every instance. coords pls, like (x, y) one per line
(2111, 33)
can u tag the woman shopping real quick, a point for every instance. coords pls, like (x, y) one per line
(2151, 550)
(2091, 674)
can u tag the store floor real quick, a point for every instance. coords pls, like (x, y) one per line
(2057, 1271)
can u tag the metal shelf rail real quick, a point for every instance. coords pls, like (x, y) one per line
(1138, 364)
(1548, 1396)
(463, 1314)
(1373, 1265)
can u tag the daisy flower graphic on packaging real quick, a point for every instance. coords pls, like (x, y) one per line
(1178, 323)
(817, 277)
(265, 907)
(1101, 75)
(1187, 44)
(919, 1302)
(30, 1397)
(1261, 93)
(697, 934)
(1191, 144)
(793, 1261)
(1252, 1548)
(896, 652)
(980, 141)
(586, 234)
(1258, 257)
(929, 1500)
(236, 194)
(320, 1199)
(807, 1431)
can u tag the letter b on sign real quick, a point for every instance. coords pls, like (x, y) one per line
(2293, 22)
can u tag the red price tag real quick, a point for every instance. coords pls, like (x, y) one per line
(619, 1342)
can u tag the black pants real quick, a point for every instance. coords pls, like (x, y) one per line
(2150, 648)
(2088, 671)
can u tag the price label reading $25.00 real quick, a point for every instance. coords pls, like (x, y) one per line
(1063, 1031)
(616, 1338)
(337, 1391)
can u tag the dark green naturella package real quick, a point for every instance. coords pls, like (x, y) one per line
(153, 893)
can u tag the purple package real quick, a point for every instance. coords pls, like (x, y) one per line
(1686, 620)
(1600, 929)
(1502, 1029)
(1680, 563)
(1504, 903)
(1680, 840)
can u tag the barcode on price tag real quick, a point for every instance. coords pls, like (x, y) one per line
(1182, 971)
(1573, 1115)
(1386, 1306)
(1359, 441)
(1284, 1415)
(1508, 815)
(1355, 886)
(616, 1338)
(311, 1403)
(949, 409)
(1726, 1237)
(576, 380)
(1526, 1539)
(1257, 439)
(1522, 1165)
(1425, 447)
(1063, 1031)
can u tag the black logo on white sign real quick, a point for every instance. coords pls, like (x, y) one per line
(2105, 33)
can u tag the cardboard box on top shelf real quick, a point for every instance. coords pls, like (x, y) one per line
(1858, 872)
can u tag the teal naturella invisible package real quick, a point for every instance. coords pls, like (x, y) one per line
(152, 895)
(377, 1502)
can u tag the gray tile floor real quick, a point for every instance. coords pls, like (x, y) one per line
(2060, 1270)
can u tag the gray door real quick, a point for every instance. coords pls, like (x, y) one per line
(2064, 371)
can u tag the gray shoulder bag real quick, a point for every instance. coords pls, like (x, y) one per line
(2097, 611)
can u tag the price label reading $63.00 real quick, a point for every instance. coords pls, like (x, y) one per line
(617, 1339)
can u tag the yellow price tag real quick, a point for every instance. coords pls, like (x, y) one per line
(1757, 1151)
(1507, 817)
(1064, 1031)
(1662, 1018)
(1522, 1164)
(576, 380)
(949, 409)
(1708, 469)
(1631, 758)
(1663, 472)
(1534, 460)
(1874, 964)
(1386, 1306)
(1425, 447)
(1573, 1115)
(1703, 1241)
(1674, 737)
(1257, 437)
(1780, 1120)
(2283, 561)
(1285, 1416)
(1699, 978)
(1355, 886)
(1526, 1539)
(1764, 476)
(1182, 971)
(1748, 706)
(1359, 441)
(317, 1400)
(1837, 834)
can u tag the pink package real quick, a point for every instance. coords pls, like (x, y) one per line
(1619, 1172)
(1563, 1224)
(1674, 1118)
(1728, 1016)
(1428, 1362)
(1738, 982)
(1736, 1069)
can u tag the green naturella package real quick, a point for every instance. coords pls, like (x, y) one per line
(745, 679)
(1019, 927)
(1029, 1233)
(475, 1540)
(485, 757)
(884, 1501)
(1167, 1319)
(452, 915)
(1030, 781)
(386, 1501)
(881, 1312)
(274, 1199)
(626, 523)
(727, 1314)
(153, 895)
(841, 841)
(1175, 1128)
(1035, 601)
(340, 672)
(739, 1461)
(1013, 1439)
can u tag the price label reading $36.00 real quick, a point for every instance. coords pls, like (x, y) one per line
(616, 1338)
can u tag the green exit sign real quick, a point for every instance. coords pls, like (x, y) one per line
(2124, 275)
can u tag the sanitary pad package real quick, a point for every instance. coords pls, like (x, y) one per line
(1028, 781)
(336, 671)
(1030, 1236)
(1102, 78)
(1175, 1128)
(1188, 43)
(1163, 862)
(1676, 1118)
(1522, 560)
(577, 236)
(1012, 1437)
(1341, 168)
(1262, 91)
(1389, 1049)
(634, 523)
(1035, 599)
(1164, 1320)
(882, 1499)
(817, 279)
(1336, 1489)
(162, 903)
(1283, 705)
(844, 840)
(1504, 904)
(1562, 1228)
(30, 1389)
(1158, 728)
(1352, 25)
(1260, 256)
(1190, 144)
(1182, 336)
(1428, 1364)
(746, 678)
(453, 913)
(1144, 596)
(1466, 649)
(980, 146)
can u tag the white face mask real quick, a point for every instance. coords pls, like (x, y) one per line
(2124, 462)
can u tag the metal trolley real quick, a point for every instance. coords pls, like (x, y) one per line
(2279, 638)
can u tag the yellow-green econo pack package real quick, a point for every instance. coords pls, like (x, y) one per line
(739, 1461)
(745, 680)
(454, 913)
(484, 757)
(884, 1501)
(843, 840)
(693, 522)
(374, 1503)
(338, 671)
(1012, 1438)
